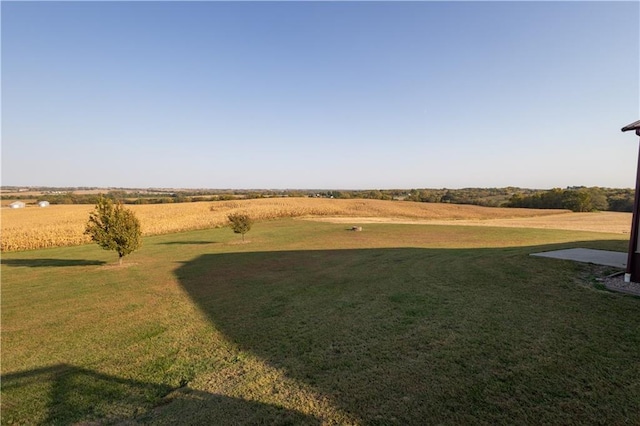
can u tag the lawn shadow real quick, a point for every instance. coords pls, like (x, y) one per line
(399, 335)
(40, 263)
(82, 396)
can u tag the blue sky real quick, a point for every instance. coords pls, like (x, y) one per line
(335, 95)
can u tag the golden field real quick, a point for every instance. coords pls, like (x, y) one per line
(63, 225)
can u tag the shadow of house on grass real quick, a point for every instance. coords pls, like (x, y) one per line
(47, 263)
(79, 395)
(413, 335)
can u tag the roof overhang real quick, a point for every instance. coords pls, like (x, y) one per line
(633, 126)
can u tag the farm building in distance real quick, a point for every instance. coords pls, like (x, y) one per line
(17, 205)
(43, 204)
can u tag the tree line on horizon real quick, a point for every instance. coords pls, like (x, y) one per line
(577, 198)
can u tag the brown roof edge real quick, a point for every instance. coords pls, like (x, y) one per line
(633, 126)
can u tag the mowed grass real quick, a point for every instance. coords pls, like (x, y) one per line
(308, 323)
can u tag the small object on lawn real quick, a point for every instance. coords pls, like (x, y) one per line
(356, 228)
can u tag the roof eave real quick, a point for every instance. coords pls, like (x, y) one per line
(633, 126)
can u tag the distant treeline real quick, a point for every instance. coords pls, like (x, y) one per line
(57, 196)
(579, 199)
(133, 197)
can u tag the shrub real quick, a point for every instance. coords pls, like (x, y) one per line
(240, 223)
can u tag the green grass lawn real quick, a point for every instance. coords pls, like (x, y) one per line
(308, 323)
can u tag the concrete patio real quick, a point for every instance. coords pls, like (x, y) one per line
(598, 257)
(615, 259)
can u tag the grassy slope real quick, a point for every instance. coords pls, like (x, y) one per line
(309, 323)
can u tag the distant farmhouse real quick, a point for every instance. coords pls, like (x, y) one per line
(17, 205)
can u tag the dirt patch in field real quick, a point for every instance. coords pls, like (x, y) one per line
(609, 222)
(117, 265)
(239, 242)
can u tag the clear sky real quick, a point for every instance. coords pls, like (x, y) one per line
(333, 95)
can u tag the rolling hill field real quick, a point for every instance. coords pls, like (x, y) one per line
(310, 323)
(63, 225)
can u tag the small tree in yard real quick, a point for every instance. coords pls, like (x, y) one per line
(114, 227)
(240, 223)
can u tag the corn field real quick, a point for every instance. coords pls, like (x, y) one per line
(63, 225)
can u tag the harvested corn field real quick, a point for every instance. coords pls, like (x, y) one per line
(607, 222)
